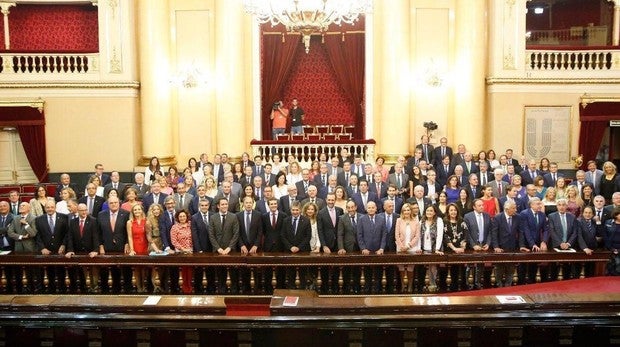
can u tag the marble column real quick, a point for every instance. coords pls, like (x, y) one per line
(615, 40)
(469, 85)
(155, 93)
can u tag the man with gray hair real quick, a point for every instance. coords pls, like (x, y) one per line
(505, 238)
(498, 186)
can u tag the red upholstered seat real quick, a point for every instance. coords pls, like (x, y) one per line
(345, 137)
(283, 137)
(308, 129)
(349, 129)
(337, 129)
(313, 137)
(322, 129)
(297, 137)
(329, 137)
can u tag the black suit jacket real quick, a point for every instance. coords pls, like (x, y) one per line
(328, 232)
(442, 174)
(285, 203)
(300, 239)
(51, 240)
(86, 242)
(120, 188)
(390, 237)
(437, 155)
(113, 241)
(224, 236)
(194, 205)
(301, 189)
(200, 233)
(97, 204)
(502, 236)
(251, 237)
(145, 189)
(147, 201)
(273, 234)
(4, 232)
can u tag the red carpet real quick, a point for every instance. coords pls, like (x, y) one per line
(587, 285)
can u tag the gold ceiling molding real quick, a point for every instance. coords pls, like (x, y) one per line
(587, 99)
(500, 80)
(38, 103)
(67, 85)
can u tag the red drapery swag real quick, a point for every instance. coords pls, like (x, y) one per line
(278, 54)
(30, 124)
(347, 57)
(594, 120)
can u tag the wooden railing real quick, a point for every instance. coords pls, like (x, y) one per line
(307, 151)
(263, 273)
(26, 64)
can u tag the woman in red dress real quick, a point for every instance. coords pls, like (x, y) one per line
(491, 204)
(138, 243)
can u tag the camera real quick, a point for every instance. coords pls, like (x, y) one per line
(430, 125)
(276, 105)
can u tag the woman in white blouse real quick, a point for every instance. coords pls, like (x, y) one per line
(294, 174)
(280, 189)
(65, 195)
(310, 211)
(431, 232)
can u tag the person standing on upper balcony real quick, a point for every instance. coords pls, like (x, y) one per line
(278, 116)
(297, 117)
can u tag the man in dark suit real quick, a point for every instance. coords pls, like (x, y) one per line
(320, 180)
(312, 197)
(201, 195)
(166, 221)
(353, 186)
(378, 186)
(83, 238)
(551, 178)
(139, 185)
(594, 175)
(345, 175)
(368, 175)
(580, 180)
(511, 195)
(115, 183)
(428, 151)
(505, 238)
(484, 176)
(113, 228)
(246, 178)
(296, 231)
(200, 227)
(469, 166)
(154, 197)
(223, 229)
(334, 168)
(432, 188)
(371, 231)
(83, 234)
(258, 169)
(441, 151)
(601, 215)
(259, 189)
(473, 187)
(390, 216)
(245, 160)
(52, 229)
(103, 178)
(459, 157)
(391, 196)
(232, 199)
(262, 205)
(399, 179)
(250, 227)
(182, 199)
(273, 222)
(327, 224)
(287, 201)
(364, 197)
(534, 232)
(479, 237)
(218, 168)
(65, 182)
(347, 229)
(302, 186)
(562, 227)
(444, 170)
(419, 198)
(269, 179)
(6, 218)
(528, 176)
(93, 202)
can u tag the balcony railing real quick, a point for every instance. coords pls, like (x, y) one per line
(308, 151)
(261, 274)
(23, 65)
(576, 36)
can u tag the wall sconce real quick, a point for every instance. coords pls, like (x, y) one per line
(431, 76)
(189, 77)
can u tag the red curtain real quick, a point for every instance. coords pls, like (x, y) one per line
(30, 124)
(276, 65)
(595, 119)
(347, 57)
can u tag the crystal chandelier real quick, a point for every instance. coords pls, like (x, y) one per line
(307, 16)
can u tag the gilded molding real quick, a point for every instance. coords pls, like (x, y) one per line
(115, 63)
(509, 60)
(113, 4)
(587, 99)
(500, 80)
(38, 104)
(164, 161)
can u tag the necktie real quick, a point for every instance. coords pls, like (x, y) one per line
(594, 180)
(204, 219)
(499, 188)
(480, 228)
(445, 168)
(248, 221)
(443, 151)
(323, 180)
(81, 227)
(425, 152)
(258, 170)
(509, 223)
(353, 221)
(223, 219)
(171, 216)
(181, 201)
(273, 219)
(90, 205)
(483, 179)
(15, 209)
(388, 222)
(346, 177)
(115, 186)
(598, 213)
(3, 220)
(372, 220)
(50, 221)
(536, 218)
(306, 187)
(295, 226)
(473, 190)
(312, 200)
(113, 221)
(364, 200)
(564, 227)
(332, 215)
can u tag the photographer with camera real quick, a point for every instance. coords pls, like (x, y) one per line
(278, 116)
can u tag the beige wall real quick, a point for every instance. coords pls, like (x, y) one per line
(81, 131)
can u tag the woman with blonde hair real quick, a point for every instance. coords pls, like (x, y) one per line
(156, 245)
(341, 197)
(65, 194)
(407, 234)
(610, 182)
(575, 204)
(138, 243)
(211, 186)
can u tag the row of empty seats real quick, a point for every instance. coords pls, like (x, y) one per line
(329, 129)
(314, 137)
